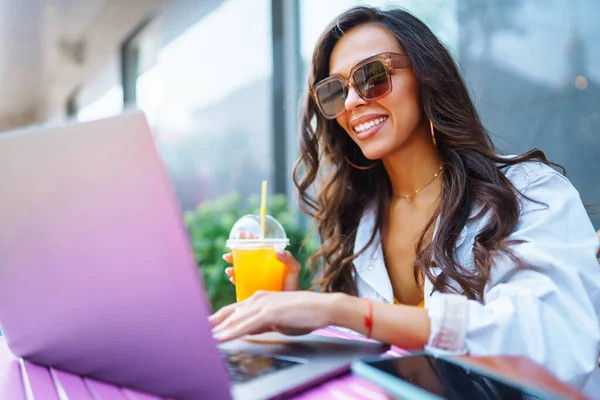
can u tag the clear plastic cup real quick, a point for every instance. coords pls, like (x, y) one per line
(255, 265)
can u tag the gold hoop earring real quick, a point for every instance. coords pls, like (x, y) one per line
(359, 166)
(432, 133)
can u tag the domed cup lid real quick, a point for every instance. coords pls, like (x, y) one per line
(245, 233)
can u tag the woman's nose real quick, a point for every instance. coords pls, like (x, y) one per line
(353, 100)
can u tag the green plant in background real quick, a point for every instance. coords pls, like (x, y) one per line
(209, 227)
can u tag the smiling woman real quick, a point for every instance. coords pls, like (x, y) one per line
(414, 206)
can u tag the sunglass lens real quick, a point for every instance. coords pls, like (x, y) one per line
(332, 97)
(372, 80)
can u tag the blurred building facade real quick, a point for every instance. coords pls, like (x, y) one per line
(221, 80)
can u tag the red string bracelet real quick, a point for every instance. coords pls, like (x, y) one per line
(369, 319)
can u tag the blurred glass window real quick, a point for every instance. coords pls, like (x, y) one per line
(207, 94)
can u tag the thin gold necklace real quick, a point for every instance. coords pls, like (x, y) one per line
(408, 196)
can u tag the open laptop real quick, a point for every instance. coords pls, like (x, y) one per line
(97, 276)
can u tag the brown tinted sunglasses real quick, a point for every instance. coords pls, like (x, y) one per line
(370, 78)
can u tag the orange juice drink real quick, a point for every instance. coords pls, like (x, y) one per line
(255, 266)
(257, 269)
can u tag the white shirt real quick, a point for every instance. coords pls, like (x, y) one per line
(549, 314)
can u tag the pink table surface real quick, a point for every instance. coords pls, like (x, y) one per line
(22, 380)
(347, 386)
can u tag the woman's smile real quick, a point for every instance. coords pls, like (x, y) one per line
(368, 125)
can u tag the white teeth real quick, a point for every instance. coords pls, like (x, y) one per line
(363, 127)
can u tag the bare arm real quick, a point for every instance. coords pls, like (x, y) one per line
(303, 312)
(404, 326)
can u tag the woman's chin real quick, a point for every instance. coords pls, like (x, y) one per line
(374, 155)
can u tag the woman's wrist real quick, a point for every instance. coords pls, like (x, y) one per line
(342, 310)
(291, 283)
(405, 326)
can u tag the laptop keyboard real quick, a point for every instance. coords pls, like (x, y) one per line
(244, 367)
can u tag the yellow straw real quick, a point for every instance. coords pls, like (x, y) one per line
(263, 209)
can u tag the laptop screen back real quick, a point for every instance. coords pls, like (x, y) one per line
(96, 273)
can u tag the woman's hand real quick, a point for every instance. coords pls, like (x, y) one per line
(290, 282)
(291, 313)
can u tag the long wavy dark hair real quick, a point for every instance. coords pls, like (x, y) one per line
(336, 195)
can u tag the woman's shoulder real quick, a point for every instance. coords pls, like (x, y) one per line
(541, 187)
(523, 175)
